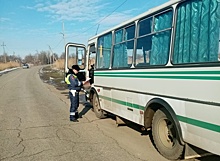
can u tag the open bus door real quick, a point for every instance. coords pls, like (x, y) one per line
(91, 61)
(76, 54)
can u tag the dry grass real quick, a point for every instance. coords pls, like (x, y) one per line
(59, 64)
(7, 65)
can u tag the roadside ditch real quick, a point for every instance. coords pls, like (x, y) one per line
(53, 77)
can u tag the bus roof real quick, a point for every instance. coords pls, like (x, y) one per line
(150, 11)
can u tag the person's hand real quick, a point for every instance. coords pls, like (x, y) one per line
(86, 85)
(86, 82)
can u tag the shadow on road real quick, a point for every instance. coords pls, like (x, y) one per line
(87, 107)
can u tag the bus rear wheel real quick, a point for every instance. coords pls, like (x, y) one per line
(165, 135)
(97, 109)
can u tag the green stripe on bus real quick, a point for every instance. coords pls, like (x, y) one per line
(202, 75)
(123, 103)
(163, 72)
(187, 120)
(198, 123)
(166, 77)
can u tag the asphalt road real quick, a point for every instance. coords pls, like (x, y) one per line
(34, 125)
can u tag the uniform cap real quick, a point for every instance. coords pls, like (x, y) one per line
(76, 67)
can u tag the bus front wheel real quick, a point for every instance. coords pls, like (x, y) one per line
(97, 109)
(165, 135)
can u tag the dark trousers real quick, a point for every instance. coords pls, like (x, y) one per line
(74, 104)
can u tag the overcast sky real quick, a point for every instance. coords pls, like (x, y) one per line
(31, 26)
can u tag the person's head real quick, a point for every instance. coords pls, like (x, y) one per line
(75, 68)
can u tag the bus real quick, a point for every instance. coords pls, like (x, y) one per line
(160, 70)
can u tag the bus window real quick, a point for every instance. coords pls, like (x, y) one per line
(104, 51)
(118, 36)
(92, 57)
(129, 33)
(123, 54)
(76, 55)
(123, 47)
(197, 32)
(145, 27)
(144, 42)
(143, 50)
(153, 40)
(161, 38)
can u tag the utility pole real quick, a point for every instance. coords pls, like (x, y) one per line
(48, 57)
(13, 56)
(52, 54)
(37, 57)
(63, 33)
(3, 45)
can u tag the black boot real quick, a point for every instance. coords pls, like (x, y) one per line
(73, 119)
(76, 115)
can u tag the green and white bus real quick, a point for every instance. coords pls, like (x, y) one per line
(160, 70)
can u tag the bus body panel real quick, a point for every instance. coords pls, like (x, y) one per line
(126, 95)
(174, 82)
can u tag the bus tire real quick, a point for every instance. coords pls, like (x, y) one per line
(97, 109)
(164, 135)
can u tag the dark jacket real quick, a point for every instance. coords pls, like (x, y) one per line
(75, 84)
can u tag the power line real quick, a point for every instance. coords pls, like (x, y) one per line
(57, 44)
(98, 23)
(97, 29)
(112, 11)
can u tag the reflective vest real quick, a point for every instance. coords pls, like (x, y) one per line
(67, 78)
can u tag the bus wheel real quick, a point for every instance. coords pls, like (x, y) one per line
(97, 109)
(165, 136)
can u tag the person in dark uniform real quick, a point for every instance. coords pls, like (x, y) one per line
(74, 86)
